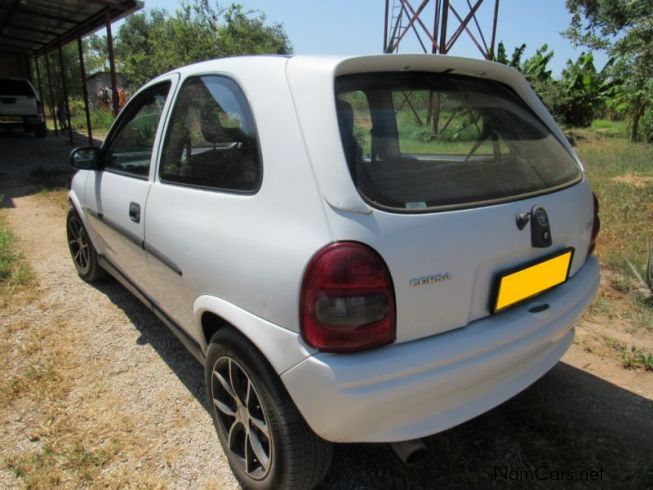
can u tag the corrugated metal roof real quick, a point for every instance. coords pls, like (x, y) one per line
(35, 26)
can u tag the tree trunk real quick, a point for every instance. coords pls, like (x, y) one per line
(637, 113)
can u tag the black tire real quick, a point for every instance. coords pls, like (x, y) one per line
(41, 131)
(82, 250)
(296, 457)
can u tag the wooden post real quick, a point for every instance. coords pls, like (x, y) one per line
(82, 74)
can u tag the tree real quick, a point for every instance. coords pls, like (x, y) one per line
(151, 43)
(624, 28)
(95, 54)
(514, 60)
(138, 48)
(582, 91)
(576, 97)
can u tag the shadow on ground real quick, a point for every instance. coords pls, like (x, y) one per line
(558, 431)
(29, 164)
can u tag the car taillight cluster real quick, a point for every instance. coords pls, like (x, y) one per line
(596, 225)
(347, 300)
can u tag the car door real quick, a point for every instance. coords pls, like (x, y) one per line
(115, 196)
(199, 206)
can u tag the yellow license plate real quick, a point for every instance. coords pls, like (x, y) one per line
(11, 119)
(518, 285)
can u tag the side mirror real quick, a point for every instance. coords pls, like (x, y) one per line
(85, 158)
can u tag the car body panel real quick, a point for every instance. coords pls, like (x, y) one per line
(108, 196)
(470, 246)
(234, 229)
(415, 389)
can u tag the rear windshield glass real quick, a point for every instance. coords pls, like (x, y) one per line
(417, 141)
(15, 87)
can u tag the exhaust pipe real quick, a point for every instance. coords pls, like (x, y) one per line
(410, 452)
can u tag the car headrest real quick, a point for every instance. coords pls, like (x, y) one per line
(345, 116)
(210, 126)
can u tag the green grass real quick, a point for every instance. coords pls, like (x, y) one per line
(621, 175)
(14, 271)
(631, 357)
(610, 129)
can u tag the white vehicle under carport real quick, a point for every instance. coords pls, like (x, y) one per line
(21, 107)
(343, 274)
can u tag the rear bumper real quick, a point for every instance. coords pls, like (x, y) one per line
(418, 388)
(24, 121)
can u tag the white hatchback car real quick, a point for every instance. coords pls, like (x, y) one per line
(362, 249)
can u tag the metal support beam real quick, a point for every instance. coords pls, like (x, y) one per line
(54, 117)
(494, 29)
(459, 17)
(82, 74)
(464, 27)
(112, 67)
(443, 29)
(37, 13)
(18, 27)
(64, 89)
(38, 80)
(23, 39)
(385, 27)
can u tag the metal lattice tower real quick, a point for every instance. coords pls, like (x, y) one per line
(445, 16)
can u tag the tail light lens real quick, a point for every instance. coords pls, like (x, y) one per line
(596, 225)
(347, 301)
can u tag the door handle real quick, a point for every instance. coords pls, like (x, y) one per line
(135, 212)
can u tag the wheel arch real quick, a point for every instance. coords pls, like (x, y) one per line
(282, 348)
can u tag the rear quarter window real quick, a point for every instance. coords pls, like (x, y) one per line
(425, 141)
(13, 87)
(212, 140)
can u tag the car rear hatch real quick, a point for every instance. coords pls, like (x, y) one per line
(17, 98)
(451, 172)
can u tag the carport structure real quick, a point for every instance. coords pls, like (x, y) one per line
(30, 29)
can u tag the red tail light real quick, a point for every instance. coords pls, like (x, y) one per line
(347, 300)
(596, 225)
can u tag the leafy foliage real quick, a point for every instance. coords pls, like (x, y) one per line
(152, 43)
(575, 99)
(582, 92)
(624, 28)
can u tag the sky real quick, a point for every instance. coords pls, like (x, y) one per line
(356, 26)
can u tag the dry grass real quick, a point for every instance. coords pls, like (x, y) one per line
(75, 425)
(61, 427)
(55, 196)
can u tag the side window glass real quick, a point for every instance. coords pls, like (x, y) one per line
(211, 139)
(130, 149)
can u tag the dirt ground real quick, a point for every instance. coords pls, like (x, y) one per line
(125, 405)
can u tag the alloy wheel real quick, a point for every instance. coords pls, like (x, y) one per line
(242, 417)
(78, 243)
